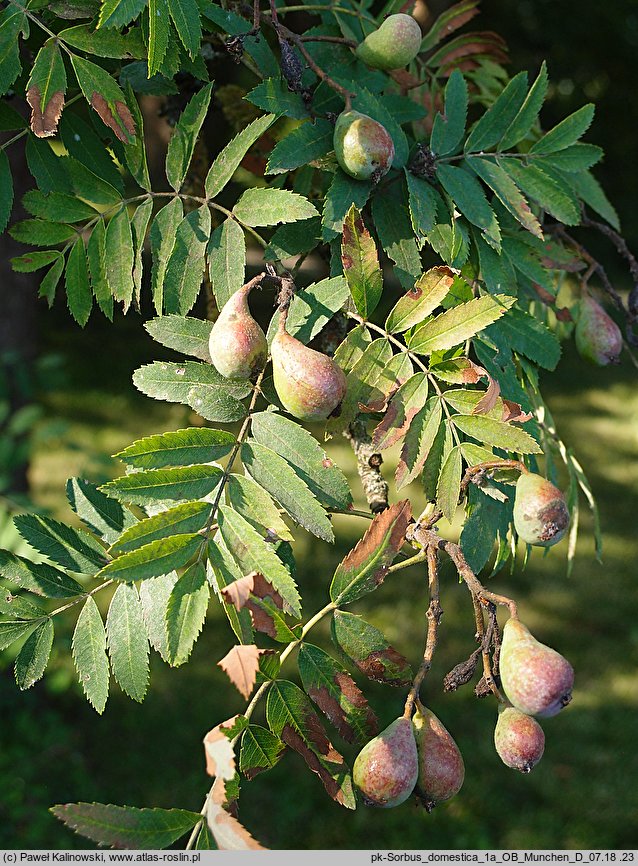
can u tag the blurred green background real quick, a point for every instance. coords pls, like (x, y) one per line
(584, 793)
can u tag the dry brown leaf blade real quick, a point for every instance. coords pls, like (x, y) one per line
(44, 120)
(220, 757)
(241, 665)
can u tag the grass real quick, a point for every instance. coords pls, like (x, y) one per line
(55, 749)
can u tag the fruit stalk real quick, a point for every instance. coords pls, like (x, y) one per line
(433, 614)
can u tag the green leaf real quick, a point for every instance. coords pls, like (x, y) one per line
(526, 335)
(40, 578)
(205, 840)
(361, 264)
(6, 190)
(178, 448)
(186, 613)
(469, 198)
(306, 456)
(226, 255)
(34, 655)
(544, 190)
(368, 648)
(418, 303)
(153, 485)
(254, 504)
(31, 262)
(419, 440)
(19, 606)
(118, 250)
(311, 308)
(135, 152)
(85, 184)
(78, 290)
(46, 88)
(352, 348)
(302, 146)
(105, 97)
(153, 558)
(174, 383)
(506, 191)
(159, 31)
(449, 127)
(85, 145)
(458, 324)
(334, 691)
(496, 433)
(228, 160)
(394, 230)
(406, 402)
(13, 21)
(495, 270)
(565, 133)
(479, 532)
(527, 261)
(13, 631)
(366, 566)
(447, 22)
(344, 192)
(576, 157)
(105, 516)
(127, 642)
(528, 112)
(126, 827)
(139, 224)
(50, 171)
(273, 473)
(425, 203)
(449, 486)
(71, 548)
(50, 281)
(163, 231)
(587, 187)
(105, 43)
(179, 521)
(186, 266)
(182, 143)
(57, 206)
(291, 717)
(273, 95)
(119, 13)
(294, 239)
(268, 207)
(186, 334)
(185, 15)
(41, 233)
(89, 655)
(492, 126)
(10, 119)
(223, 571)
(260, 750)
(252, 553)
(154, 595)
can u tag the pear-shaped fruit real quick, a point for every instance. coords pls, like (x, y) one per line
(385, 770)
(395, 44)
(536, 679)
(519, 739)
(598, 337)
(363, 147)
(237, 345)
(309, 384)
(441, 768)
(540, 511)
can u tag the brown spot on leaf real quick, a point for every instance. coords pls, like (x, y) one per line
(229, 834)
(386, 666)
(338, 715)
(326, 463)
(386, 531)
(563, 315)
(293, 739)
(513, 412)
(44, 123)
(122, 125)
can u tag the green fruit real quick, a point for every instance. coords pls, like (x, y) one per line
(519, 739)
(441, 768)
(237, 345)
(362, 146)
(395, 44)
(540, 511)
(385, 770)
(537, 680)
(598, 337)
(309, 384)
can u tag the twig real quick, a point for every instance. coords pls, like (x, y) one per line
(433, 614)
(369, 463)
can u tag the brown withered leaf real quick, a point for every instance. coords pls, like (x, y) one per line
(403, 406)
(241, 665)
(353, 695)
(229, 834)
(375, 666)
(293, 739)
(513, 412)
(121, 124)
(239, 592)
(563, 315)
(220, 757)
(44, 123)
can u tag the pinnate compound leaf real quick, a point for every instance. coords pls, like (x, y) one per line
(89, 655)
(46, 88)
(186, 612)
(127, 641)
(419, 440)
(178, 448)
(186, 265)
(39, 578)
(366, 566)
(32, 659)
(421, 300)
(306, 456)
(496, 433)
(182, 143)
(13, 631)
(525, 334)
(336, 694)
(153, 558)
(152, 485)
(125, 826)
(528, 112)
(252, 553)
(100, 513)
(105, 96)
(229, 159)
(361, 264)
(506, 191)
(240, 665)
(469, 198)
(449, 127)
(260, 750)
(403, 406)
(163, 231)
(71, 548)
(185, 334)
(185, 15)
(269, 207)
(576, 157)
(544, 190)
(459, 323)
(291, 717)
(368, 648)
(494, 123)
(449, 486)
(565, 133)
(273, 473)
(226, 255)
